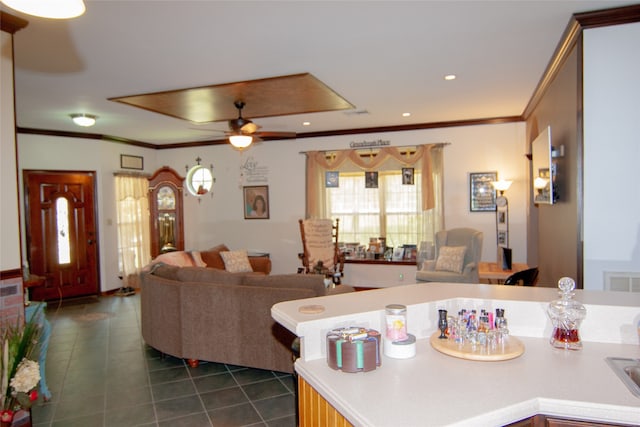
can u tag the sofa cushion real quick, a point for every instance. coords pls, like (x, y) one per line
(165, 270)
(451, 258)
(314, 282)
(208, 275)
(212, 257)
(236, 261)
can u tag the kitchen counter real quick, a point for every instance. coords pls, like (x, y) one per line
(435, 389)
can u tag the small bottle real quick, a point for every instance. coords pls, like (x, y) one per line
(501, 324)
(566, 314)
(396, 322)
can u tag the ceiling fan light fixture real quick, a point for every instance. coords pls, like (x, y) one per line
(84, 120)
(240, 141)
(53, 9)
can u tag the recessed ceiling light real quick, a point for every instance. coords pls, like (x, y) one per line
(306, 123)
(84, 120)
(406, 114)
(450, 77)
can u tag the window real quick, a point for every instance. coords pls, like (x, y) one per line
(133, 225)
(62, 225)
(402, 213)
(392, 210)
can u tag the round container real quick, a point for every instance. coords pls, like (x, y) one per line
(401, 349)
(396, 322)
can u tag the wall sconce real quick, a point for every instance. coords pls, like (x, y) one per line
(501, 185)
(502, 224)
(84, 120)
(199, 179)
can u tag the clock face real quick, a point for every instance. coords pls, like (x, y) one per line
(501, 201)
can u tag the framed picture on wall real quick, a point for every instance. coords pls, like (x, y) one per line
(371, 179)
(332, 179)
(482, 195)
(131, 162)
(407, 176)
(256, 202)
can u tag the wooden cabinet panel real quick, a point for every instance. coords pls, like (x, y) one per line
(315, 411)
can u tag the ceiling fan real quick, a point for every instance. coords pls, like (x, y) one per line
(242, 132)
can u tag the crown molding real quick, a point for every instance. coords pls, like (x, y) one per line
(84, 135)
(188, 144)
(573, 31)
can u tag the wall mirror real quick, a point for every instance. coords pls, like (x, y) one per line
(544, 171)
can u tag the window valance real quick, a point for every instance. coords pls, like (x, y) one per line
(420, 157)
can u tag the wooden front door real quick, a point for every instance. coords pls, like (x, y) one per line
(61, 233)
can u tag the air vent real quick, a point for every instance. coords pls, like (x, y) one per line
(621, 281)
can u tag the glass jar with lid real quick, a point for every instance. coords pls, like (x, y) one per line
(566, 314)
(396, 322)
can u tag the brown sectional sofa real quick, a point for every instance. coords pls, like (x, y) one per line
(208, 314)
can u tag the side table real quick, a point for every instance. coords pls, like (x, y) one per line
(490, 271)
(33, 281)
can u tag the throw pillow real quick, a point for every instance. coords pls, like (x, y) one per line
(177, 258)
(212, 257)
(451, 258)
(197, 259)
(236, 261)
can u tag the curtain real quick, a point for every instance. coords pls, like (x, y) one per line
(425, 158)
(133, 226)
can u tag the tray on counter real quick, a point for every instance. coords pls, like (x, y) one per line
(511, 349)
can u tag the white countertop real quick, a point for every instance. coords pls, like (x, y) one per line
(434, 389)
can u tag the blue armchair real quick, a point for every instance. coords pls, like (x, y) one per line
(458, 253)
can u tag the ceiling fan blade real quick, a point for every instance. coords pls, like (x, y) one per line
(249, 127)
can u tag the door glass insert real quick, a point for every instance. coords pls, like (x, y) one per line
(62, 228)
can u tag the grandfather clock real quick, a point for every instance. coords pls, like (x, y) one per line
(165, 207)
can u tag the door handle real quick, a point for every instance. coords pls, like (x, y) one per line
(90, 241)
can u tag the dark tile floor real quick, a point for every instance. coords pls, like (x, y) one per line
(101, 373)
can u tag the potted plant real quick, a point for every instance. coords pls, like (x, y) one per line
(19, 370)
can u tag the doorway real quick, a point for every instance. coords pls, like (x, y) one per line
(61, 233)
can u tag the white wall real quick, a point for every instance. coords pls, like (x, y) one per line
(73, 154)
(9, 255)
(611, 152)
(219, 218)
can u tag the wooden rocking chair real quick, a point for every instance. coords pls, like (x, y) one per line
(321, 254)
